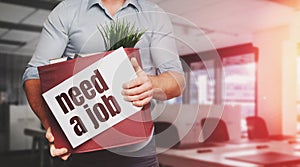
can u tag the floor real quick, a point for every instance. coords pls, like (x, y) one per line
(28, 159)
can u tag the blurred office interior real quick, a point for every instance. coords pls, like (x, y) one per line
(241, 59)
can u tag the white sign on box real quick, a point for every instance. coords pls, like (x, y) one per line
(90, 101)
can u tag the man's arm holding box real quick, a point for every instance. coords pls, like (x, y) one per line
(34, 96)
(53, 41)
(143, 88)
(33, 92)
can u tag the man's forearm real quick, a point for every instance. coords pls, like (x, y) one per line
(167, 85)
(34, 96)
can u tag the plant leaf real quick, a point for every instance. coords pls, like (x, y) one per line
(120, 33)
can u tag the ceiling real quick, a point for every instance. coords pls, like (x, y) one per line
(198, 24)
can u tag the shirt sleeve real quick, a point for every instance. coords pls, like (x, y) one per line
(52, 43)
(163, 47)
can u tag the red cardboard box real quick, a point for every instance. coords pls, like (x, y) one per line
(135, 129)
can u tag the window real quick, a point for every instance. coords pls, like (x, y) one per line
(237, 85)
(240, 72)
(202, 83)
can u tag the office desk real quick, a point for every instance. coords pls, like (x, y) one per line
(219, 155)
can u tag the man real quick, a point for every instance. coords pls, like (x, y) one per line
(72, 28)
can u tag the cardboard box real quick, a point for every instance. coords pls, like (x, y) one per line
(88, 110)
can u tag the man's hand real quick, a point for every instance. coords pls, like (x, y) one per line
(61, 152)
(139, 91)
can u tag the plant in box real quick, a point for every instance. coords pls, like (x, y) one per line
(117, 34)
(121, 34)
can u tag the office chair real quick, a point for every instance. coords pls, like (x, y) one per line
(166, 135)
(257, 128)
(214, 130)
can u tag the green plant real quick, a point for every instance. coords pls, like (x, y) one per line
(120, 33)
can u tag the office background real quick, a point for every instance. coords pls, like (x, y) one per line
(241, 55)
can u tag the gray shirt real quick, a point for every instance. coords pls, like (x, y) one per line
(71, 28)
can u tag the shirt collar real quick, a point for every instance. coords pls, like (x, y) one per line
(127, 2)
